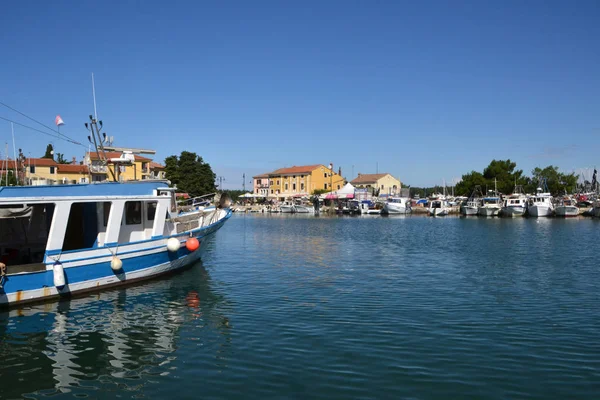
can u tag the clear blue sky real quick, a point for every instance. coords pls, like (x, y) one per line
(424, 90)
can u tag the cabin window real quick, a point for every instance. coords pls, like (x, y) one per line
(151, 212)
(133, 212)
(82, 227)
(24, 235)
(106, 212)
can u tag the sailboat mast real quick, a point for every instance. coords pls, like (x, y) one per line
(12, 128)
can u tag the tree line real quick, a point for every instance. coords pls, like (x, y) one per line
(504, 175)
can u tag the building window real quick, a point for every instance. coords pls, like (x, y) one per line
(32, 169)
(133, 212)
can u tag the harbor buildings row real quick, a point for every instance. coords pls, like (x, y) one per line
(299, 181)
(46, 171)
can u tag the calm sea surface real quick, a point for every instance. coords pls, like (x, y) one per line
(334, 308)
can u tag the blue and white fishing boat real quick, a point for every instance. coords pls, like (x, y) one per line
(66, 239)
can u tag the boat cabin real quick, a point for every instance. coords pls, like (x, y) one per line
(42, 222)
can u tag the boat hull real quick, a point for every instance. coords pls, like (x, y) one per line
(468, 210)
(539, 211)
(488, 211)
(90, 270)
(517, 211)
(390, 208)
(567, 211)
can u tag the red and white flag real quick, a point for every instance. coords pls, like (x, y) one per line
(58, 121)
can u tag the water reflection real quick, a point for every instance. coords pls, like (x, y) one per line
(114, 340)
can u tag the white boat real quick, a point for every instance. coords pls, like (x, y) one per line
(287, 208)
(471, 206)
(397, 205)
(567, 208)
(515, 204)
(490, 207)
(438, 206)
(540, 205)
(79, 238)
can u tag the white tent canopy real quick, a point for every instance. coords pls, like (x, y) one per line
(347, 192)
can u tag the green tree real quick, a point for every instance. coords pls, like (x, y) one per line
(190, 174)
(8, 179)
(503, 171)
(60, 158)
(468, 182)
(557, 182)
(49, 152)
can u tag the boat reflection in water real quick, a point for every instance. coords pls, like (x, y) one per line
(113, 340)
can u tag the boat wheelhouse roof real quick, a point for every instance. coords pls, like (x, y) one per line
(104, 189)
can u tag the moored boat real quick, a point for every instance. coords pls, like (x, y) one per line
(85, 237)
(515, 205)
(540, 205)
(397, 205)
(566, 208)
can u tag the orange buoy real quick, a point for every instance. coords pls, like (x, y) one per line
(192, 244)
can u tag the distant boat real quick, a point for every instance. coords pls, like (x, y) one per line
(540, 205)
(567, 208)
(438, 206)
(515, 204)
(397, 205)
(471, 206)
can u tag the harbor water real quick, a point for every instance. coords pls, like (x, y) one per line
(291, 306)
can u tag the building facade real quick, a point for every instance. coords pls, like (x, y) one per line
(73, 173)
(260, 185)
(299, 181)
(378, 184)
(139, 169)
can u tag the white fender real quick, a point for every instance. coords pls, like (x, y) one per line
(59, 275)
(116, 264)
(173, 244)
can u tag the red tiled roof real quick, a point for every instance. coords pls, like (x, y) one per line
(40, 162)
(303, 169)
(72, 169)
(367, 178)
(4, 166)
(116, 154)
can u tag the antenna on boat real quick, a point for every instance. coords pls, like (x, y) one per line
(94, 95)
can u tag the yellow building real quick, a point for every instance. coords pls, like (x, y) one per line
(139, 168)
(73, 173)
(378, 183)
(40, 171)
(298, 181)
